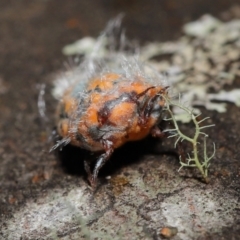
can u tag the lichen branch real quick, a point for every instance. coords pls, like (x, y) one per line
(195, 159)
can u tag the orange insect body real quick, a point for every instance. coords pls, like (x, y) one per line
(113, 111)
(123, 123)
(108, 101)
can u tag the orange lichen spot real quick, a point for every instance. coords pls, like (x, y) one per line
(168, 232)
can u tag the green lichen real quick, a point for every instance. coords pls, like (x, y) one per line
(195, 158)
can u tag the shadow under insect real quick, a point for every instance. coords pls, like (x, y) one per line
(72, 158)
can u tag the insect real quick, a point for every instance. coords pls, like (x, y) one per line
(107, 102)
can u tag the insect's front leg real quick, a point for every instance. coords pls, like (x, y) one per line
(147, 109)
(92, 177)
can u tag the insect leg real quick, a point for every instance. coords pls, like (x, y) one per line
(101, 161)
(147, 109)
